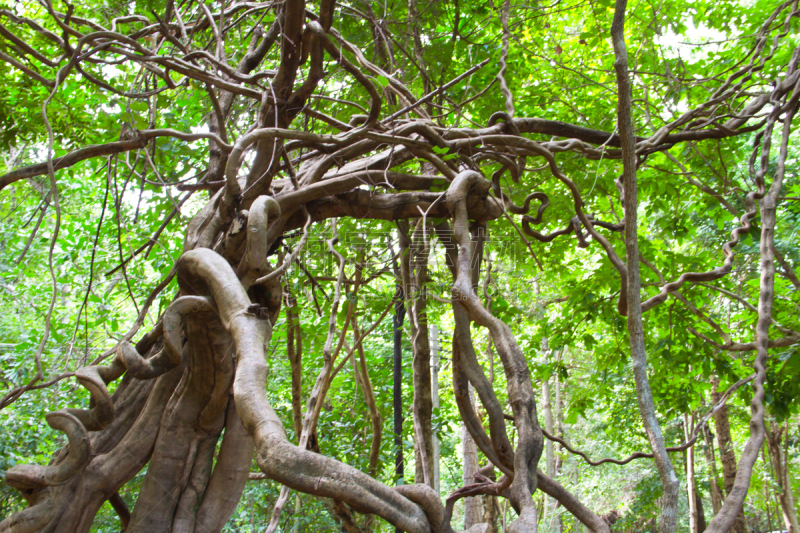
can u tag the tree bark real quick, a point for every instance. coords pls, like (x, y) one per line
(701, 516)
(397, 387)
(473, 509)
(294, 351)
(181, 464)
(711, 462)
(726, 453)
(632, 284)
(550, 463)
(124, 447)
(691, 487)
(376, 421)
(414, 267)
(775, 434)
(435, 401)
(491, 511)
(229, 476)
(558, 521)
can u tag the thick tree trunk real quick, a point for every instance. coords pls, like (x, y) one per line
(181, 464)
(124, 446)
(727, 455)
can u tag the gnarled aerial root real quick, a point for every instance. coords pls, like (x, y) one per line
(519, 485)
(78, 450)
(768, 199)
(209, 284)
(205, 272)
(34, 480)
(520, 388)
(34, 518)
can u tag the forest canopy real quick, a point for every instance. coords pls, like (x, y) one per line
(412, 265)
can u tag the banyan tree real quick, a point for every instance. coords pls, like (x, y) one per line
(440, 120)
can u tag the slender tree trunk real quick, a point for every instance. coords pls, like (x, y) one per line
(557, 522)
(727, 455)
(473, 512)
(435, 401)
(701, 515)
(550, 463)
(414, 269)
(780, 465)
(369, 397)
(561, 403)
(769, 467)
(297, 509)
(491, 512)
(711, 461)
(632, 284)
(397, 391)
(294, 351)
(397, 386)
(252, 513)
(691, 490)
(229, 477)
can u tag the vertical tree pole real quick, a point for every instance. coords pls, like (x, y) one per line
(557, 521)
(435, 399)
(711, 469)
